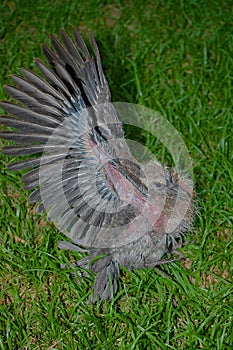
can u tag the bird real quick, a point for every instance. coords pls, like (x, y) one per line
(118, 211)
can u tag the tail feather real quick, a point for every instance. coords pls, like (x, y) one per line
(106, 281)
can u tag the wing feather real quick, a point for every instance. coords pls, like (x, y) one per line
(67, 120)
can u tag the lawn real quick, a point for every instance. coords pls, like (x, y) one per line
(175, 57)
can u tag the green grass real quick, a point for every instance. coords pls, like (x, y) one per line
(175, 57)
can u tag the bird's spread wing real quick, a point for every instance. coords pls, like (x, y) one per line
(66, 121)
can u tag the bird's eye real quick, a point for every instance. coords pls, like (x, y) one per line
(158, 184)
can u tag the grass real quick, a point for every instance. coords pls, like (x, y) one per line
(175, 57)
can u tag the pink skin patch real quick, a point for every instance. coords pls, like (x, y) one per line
(129, 194)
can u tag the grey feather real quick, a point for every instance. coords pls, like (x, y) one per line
(27, 115)
(84, 169)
